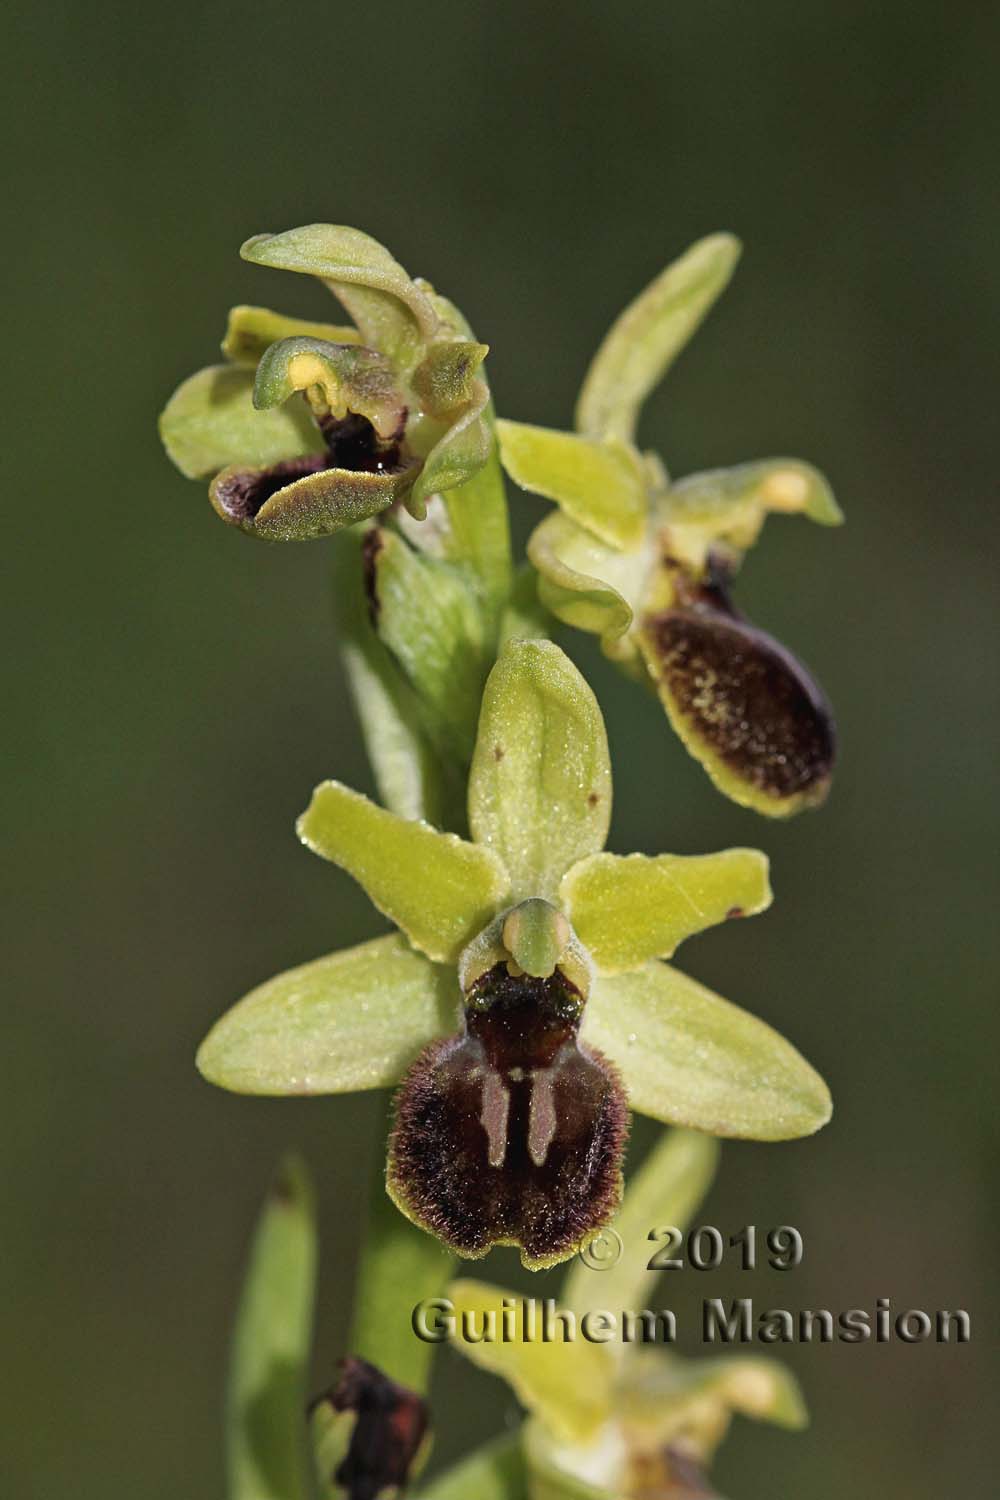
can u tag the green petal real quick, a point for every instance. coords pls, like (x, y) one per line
(446, 377)
(646, 339)
(688, 1057)
(495, 1472)
(302, 502)
(250, 330)
(393, 314)
(584, 582)
(694, 1399)
(540, 785)
(352, 1020)
(566, 1384)
(600, 485)
(210, 421)
(667, 1189)
(267, 1378)
(731, 504)
(439, 889)
(430, 620)
(458, 454)
(351, 378)
(627, 910)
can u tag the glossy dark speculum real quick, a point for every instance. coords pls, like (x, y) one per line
(741, 694)
(511, 1132)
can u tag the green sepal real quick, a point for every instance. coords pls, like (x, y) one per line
(629, 909)
(429, 618)
(567, 1385)
(440, 889)
(250, 330)
(540, 784)
(303, 505)
(600, 485)
(446, 376)
(267, 1378)
(495, 1472)
(584, 582)
(351, 1020)
(350, 377)
(688, 1057)
(393, 314)
(646, 338)
(666, 1190)
(210, 421)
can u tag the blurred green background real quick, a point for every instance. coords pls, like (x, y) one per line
(175, 689)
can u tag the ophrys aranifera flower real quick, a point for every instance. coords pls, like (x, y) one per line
(526, 1003)
(647, 563)
(310, 427)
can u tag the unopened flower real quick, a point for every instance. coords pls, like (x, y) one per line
(525, 1006)
(647, 564)
(310, 427)
(609, 1417)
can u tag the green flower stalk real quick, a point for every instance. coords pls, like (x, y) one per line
(616, 1418)
(311, 427)
(525, 1004)
(646, 564)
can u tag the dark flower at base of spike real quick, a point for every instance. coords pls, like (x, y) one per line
(511, 1132)
(743, 705)
(386, 1438)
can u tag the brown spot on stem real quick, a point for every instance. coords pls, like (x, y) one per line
(735, 911)
(593, 799)
(372, 545)
(498, 752)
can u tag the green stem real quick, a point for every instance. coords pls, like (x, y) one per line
(400, 1266)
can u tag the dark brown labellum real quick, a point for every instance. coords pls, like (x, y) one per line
(743, 704)
(387, 1435)
(359, 475)
(511, 1132)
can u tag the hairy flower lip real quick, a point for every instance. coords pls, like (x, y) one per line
(511, 1131)
(745, 696)
(367, 469)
